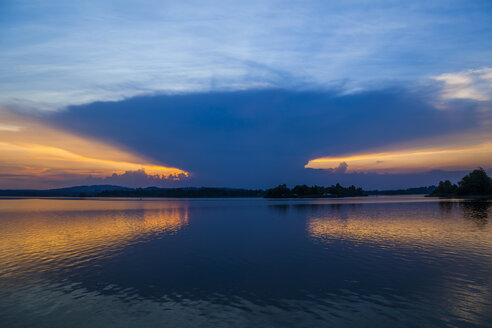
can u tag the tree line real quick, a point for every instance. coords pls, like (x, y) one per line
(476, 183)
(202, 192)
(282, 191)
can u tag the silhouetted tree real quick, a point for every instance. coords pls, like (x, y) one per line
(475, 183)
(302, 190)
(281, 191)
(337, 190)
(317, 190)
(445, 188)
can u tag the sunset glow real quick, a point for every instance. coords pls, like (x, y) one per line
(411, 160)
(33, 149)
(140, 96)
(245, 163)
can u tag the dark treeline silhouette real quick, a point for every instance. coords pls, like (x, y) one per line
(476, 183)
(282, 191)
(182, 192)
(117, 191)
(76, 191)
(408, 191)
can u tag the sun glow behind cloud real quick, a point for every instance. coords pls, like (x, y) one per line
(412, 160)
(35, 150)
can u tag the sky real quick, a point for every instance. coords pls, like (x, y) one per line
(380, 94)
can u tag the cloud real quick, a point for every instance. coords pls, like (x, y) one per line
(32, 152)
(239, 94)
(458, 152)
(474, 84)
(138, 178)
(341, 168)
(10, 128)
(60, 53)
(260, 138)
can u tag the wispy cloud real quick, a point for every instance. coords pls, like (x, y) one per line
(58, 53)
(473, 84)
(8, 127)
(256, 87)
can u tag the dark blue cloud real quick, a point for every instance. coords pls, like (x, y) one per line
(265, 137)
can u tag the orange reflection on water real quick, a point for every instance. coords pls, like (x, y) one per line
(409, 230)
(38, 240)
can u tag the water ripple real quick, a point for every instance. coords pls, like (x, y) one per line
(382, 262)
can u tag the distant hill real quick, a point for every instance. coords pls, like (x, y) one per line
(89, 189)
(204, 192)
(62, 192)
(118, 191)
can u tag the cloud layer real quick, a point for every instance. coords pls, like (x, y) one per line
(59, 53)
(244, 94)
(266, 137)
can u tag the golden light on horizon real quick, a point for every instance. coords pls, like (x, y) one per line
(42, 158)
(33, 149)
(410, 160)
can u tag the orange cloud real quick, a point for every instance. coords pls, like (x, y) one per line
(30, 149)
(470, 152)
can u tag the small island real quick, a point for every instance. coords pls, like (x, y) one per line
(304, 191)
(475, 185)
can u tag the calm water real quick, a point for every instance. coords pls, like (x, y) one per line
(368, 262)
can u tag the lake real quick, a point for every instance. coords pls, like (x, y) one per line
(396, 261)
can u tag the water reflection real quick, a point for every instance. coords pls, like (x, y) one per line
(435, 236)
(281, 209)
(446, 207)
(63, 239)
(476, 212)
(390, 262)
(392, 227)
